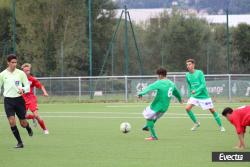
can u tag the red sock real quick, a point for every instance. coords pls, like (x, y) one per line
(42, 124)
(29, 116)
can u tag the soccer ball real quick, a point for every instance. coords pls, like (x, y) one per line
(125, 127)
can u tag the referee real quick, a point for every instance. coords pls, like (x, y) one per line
(15, 83)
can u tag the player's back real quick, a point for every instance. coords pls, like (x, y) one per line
(165, 88)
(243, 114)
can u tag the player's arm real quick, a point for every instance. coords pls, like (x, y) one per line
(40, 86)
(45, 93)
(26, 86)
(151, 87)
(241, 141)
(189, 87)
(1, 81)
(177, 94)
(203, 83)
(240, 131)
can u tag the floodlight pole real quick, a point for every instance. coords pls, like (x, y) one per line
(228, 44)
(126, 42)
(14, 25)
(111, 44)
(136, 46)
(90, 46)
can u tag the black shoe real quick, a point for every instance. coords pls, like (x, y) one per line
(19, 145)
(145, 128)
(30, 132)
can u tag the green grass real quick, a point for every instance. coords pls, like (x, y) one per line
(88, 135)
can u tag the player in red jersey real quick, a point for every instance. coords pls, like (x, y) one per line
(240, 118)
(31, 99)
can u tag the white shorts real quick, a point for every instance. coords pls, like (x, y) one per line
(148, 113)
(205, 104)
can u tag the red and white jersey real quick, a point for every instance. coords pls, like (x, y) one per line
(240, 118)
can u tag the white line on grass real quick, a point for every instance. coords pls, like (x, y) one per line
(122, 113)
(100, 117)
(91, 117)
(132, 106)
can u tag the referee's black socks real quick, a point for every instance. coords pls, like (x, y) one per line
(29, 130)
(16, 134)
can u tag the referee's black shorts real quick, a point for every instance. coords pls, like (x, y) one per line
(15, 105)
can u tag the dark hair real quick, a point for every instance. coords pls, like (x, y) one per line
(11, 57)
(161, 71)
(191, 61)
(226, 111)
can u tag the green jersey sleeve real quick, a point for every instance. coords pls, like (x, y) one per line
(202, 84)
(150, 88)
(189, 87)
(177, 94)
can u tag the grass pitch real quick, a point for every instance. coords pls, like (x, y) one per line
(88, 135)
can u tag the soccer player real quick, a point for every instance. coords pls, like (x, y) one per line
(12, 80)
(164, 89)
(198, 95)
(31, 99)
(240, 118)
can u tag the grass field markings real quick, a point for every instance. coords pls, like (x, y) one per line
(115, 113)
(111, 117)
(173, 105)
(133, 106)
(99, 117)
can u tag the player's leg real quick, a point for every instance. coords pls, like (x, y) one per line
(150, 117)
(145, 112)
(217, 119)
(190, 105)
(191, 115)
(10, 112)
(34, 109)
(150, 125)
(29, 116)
(15, 131)
(40, 122)
(24, 123)
(207, 104)
(21, 113)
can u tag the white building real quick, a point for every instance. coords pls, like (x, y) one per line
(142, 15)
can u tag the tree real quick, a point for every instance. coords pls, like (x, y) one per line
(241, 42)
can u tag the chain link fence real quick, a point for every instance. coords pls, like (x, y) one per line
(222, 88)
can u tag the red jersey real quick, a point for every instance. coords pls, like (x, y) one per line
(33, 83)
(240, 118)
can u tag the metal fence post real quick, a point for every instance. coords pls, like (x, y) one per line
(175, 83)
(50, 86)
(229, 88)
(126, 88)
(174, 79)
(80, 89)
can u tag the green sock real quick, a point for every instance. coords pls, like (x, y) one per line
(192, 116)
(217, 118)
(153, 121)
(150, 125)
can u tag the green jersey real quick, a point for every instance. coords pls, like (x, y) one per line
(11, 81)
(196, 82)
(165, 89)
